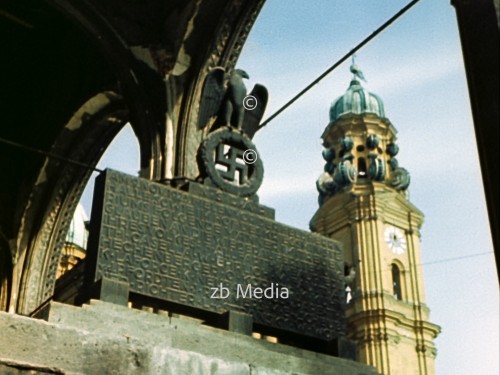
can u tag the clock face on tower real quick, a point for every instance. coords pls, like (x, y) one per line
(395, 239)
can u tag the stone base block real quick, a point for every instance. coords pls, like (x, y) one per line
(105, 338)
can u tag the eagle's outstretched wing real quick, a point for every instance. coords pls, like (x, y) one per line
(212, 95)
(253, 117)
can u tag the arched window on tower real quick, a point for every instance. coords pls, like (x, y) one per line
(361, 167)
(396, 282)
(349, 276)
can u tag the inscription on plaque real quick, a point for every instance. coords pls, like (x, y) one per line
(178, 247)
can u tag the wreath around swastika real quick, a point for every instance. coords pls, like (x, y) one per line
(221, 159)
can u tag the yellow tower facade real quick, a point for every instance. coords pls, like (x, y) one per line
(364, 205)
(75, 246)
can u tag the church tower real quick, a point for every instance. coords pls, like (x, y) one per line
(364, 205)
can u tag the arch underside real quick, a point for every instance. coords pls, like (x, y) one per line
(76, 73)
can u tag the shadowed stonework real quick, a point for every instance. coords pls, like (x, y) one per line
(186, 249)
(104, 338)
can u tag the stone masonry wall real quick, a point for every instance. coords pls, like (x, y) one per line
(106, 339)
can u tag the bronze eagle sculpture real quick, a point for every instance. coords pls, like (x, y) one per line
(222, 101)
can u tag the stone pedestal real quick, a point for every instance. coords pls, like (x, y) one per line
(201, 252)
(105, 338)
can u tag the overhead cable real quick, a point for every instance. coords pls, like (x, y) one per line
(49, 154)
(344, 58)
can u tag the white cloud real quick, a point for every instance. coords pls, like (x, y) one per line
(411, 73)
(285, 186)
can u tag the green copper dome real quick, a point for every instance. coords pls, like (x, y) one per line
(356, 100)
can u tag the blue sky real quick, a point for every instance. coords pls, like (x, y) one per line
(416, 67)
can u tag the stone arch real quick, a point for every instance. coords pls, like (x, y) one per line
(5, 273)
(56, 193)
(136, 81)
(79, 115)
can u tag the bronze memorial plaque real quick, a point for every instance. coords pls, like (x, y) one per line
(184, 248)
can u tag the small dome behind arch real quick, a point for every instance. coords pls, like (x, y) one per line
(78, 233)
(75, 245)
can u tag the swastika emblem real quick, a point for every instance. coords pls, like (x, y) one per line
(223, 164)
(230, 164)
